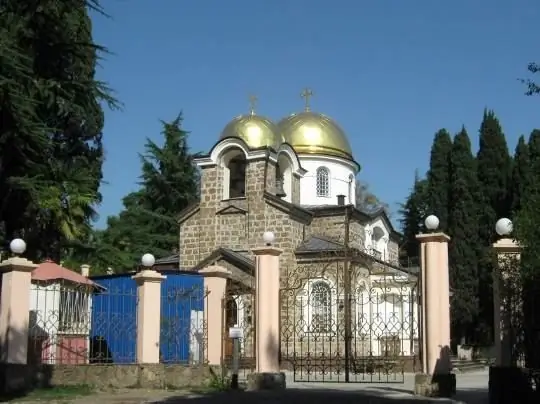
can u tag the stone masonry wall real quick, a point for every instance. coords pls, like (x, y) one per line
(157, 376)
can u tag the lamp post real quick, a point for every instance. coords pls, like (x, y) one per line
(17, 246)
(432, 222)
(148, 261)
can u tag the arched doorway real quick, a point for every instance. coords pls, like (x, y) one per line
(231, 319)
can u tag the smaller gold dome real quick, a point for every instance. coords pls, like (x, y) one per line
(255, 130)
(312, 133)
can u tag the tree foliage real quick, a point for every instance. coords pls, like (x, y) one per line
(438, 177)
(463, 247)
(494, 167)
(52, 121)
(413, 213)
(531, 84)
(169, 183)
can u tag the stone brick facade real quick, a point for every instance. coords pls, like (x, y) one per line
(238, 223)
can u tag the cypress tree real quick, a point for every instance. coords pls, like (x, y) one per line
(463, 230)
(527, 229)
(494, 168)
(520, 173)
(438, 177)
(413, 213)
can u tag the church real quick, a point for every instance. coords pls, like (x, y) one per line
(346, 301)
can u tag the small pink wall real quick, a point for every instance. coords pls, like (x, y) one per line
(72, 350)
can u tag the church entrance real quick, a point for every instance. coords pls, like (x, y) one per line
(343, 324)
(238, 309)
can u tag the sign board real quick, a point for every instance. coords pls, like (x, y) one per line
(236, 332)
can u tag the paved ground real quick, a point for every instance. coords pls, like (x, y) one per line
(472, 389)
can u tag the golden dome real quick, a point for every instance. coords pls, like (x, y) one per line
(312, 133)
(255, 130)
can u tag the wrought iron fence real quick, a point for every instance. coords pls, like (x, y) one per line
(183, 325)
(239, 311)
(81, 323)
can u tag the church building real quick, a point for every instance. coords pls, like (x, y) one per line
(340, 275)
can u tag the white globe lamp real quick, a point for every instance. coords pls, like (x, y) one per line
(504, 226)
(268, 237)
(17, 246)
(148, 260)
(432, 222)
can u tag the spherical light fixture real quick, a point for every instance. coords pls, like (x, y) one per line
(148, 260)
(17, 246)
(268, 237)
(504, 227)
(432, 222)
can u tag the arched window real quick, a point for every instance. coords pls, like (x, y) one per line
(237, 179)
(321, 310)
(323, 182)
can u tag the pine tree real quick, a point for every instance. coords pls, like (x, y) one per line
(438, 177)
(148, 222)
(463, 248)
(413, 213)
(494, 169)
(170, 182)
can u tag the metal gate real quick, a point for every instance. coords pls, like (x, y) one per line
(239, 311)
(343, 322)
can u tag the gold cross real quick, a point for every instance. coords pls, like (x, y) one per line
(252, 104)
(306, 95)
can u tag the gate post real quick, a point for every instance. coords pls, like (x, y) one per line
(148, 313)
(267, 318)
(215, 284)
(16, 273)
(508, 256)
(436, 378)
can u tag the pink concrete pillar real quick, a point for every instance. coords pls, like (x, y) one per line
(508, 255)
(148, 315)
(435, 303)
(14, 309)
(267, 309)
(215, 284)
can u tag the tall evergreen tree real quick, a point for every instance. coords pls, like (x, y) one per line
(170, 182)
(494, 169)
(527, 229)
(413, 213)
(148, 222)
(463, 248)
(521, 172)
(438, 177)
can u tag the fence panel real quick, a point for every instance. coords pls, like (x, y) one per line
(183, 325)
(74, 323)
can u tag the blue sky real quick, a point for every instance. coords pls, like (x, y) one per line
(391, 73)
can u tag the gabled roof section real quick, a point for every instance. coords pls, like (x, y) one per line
(319, 244)
(297, 212)
(381, 213)
(171, 259)
(187, 212)
(231, 210)
(235, 258)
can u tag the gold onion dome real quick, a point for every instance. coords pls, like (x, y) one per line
(255, 130)
(313, 133)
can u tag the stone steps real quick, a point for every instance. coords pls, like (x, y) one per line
(464, 366)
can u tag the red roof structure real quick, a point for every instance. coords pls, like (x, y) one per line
(51, 271)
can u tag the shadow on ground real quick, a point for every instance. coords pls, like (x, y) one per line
(315, 396)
